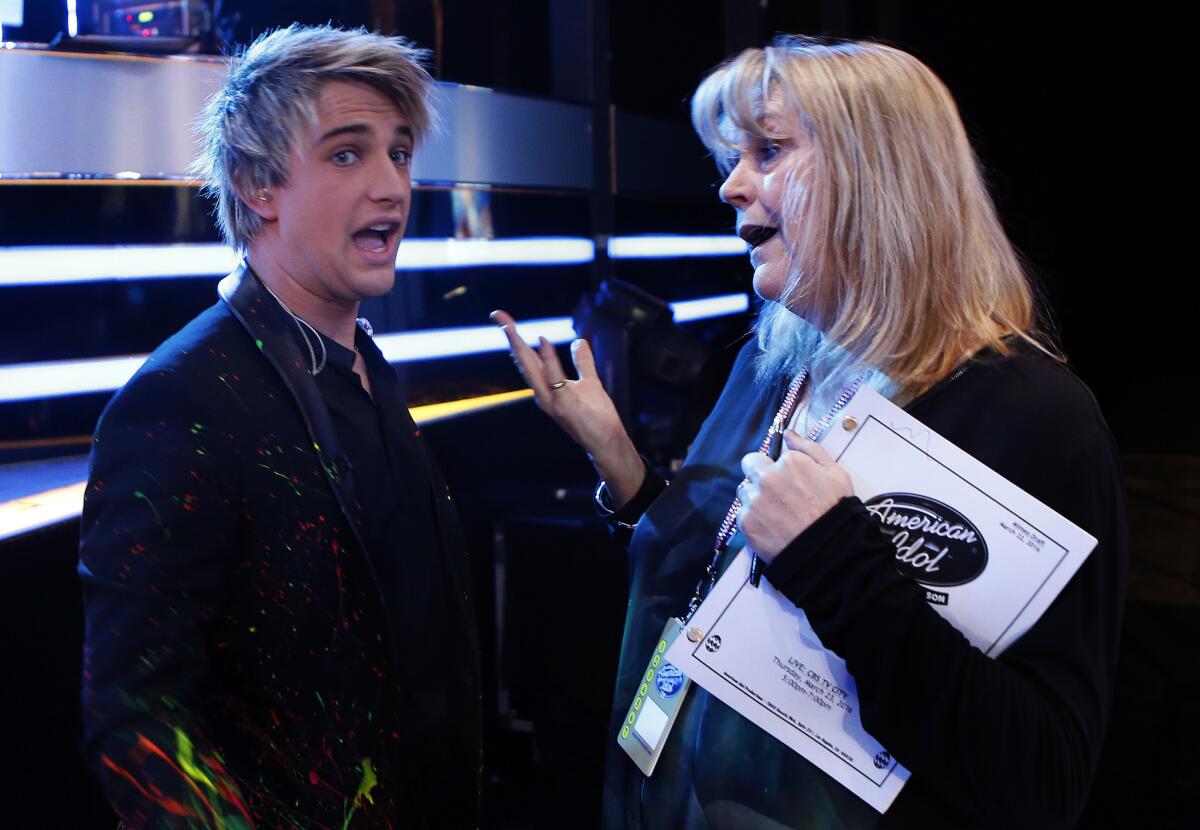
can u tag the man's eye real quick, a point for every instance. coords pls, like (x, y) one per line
(342, 158)
(402, 157)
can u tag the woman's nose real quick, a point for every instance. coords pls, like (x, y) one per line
(737, 190)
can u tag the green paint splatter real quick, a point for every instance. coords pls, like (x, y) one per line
(223, 380)
(138, 494)
(185, 754)
(368, 783)
(291, 483)
(187, 761)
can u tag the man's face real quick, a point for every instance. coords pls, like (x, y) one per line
(342, 214)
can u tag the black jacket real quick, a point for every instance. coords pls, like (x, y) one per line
(238, 669)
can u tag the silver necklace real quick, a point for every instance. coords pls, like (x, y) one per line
(302, 325)
(774, 434)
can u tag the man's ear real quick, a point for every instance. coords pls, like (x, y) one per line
(259, 199)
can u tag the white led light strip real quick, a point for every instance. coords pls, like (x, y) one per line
(461, 253)
(427, 345)
(666, 246)
(54, 264)
(687, 310)
(65, 264)
(59, 264)
(51, 379)
(54, 378)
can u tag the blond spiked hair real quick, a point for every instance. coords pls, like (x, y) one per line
(249, 125)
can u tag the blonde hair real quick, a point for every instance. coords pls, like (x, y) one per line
(897, 255)
(248, 126)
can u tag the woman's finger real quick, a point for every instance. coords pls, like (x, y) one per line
(516, 343)
(754, 464)
(581, 356)
(552, 365)
(501, 317)
(527, 360)
(795, 441)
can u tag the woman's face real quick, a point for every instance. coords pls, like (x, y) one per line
(755, 189)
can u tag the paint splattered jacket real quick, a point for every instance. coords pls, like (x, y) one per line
(237, 666)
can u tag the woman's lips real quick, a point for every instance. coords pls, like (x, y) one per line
(755, 235)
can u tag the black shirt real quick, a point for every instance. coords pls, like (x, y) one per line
(393, 489)
(390, 470)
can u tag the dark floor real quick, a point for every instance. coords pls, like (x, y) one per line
(1149, 773)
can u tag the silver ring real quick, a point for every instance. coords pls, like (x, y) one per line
(559, 385)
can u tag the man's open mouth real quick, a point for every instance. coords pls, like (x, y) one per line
(375, 238)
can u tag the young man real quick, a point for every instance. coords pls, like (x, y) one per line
(279, 629)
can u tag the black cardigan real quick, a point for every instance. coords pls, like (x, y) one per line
(989, 742)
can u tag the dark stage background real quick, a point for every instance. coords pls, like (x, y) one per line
(1064, 105)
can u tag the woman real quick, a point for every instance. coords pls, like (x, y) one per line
(883, 263)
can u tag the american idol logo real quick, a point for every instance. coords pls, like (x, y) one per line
(669, 680)
(935, 544)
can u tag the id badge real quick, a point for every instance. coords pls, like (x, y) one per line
(658, 700)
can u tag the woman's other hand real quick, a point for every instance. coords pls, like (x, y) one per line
(581, 407)
(780, 499)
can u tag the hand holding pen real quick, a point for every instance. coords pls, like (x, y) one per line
(782, 496)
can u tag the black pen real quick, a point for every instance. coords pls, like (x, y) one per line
(774, 449)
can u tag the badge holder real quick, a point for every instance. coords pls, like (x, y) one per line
(660, 697)
(656, 704)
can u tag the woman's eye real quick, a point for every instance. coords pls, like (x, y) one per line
(769, 151)
(402, 157)
(342, 158)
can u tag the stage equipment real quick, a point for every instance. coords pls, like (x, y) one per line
(645, 360)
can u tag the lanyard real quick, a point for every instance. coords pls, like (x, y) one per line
(659, 698)
(770, 446)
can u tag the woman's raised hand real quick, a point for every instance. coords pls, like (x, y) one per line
(581, 407)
